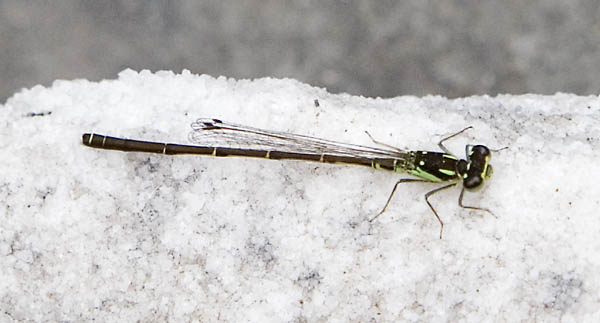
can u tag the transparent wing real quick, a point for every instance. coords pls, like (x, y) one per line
(214, 132)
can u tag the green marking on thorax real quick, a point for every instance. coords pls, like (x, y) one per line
(425, 175)
(447, 172)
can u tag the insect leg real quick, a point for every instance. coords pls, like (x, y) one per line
(460, 198)
(441, 143)
(403, 180)
(383, 143)
(428, 194)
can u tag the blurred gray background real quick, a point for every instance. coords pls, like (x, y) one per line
(372, 48)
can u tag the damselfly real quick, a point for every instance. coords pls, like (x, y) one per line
(217, 138)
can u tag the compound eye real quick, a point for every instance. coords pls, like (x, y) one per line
(472, 182)
(481, 150)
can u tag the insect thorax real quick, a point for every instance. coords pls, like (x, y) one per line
(433, 166)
